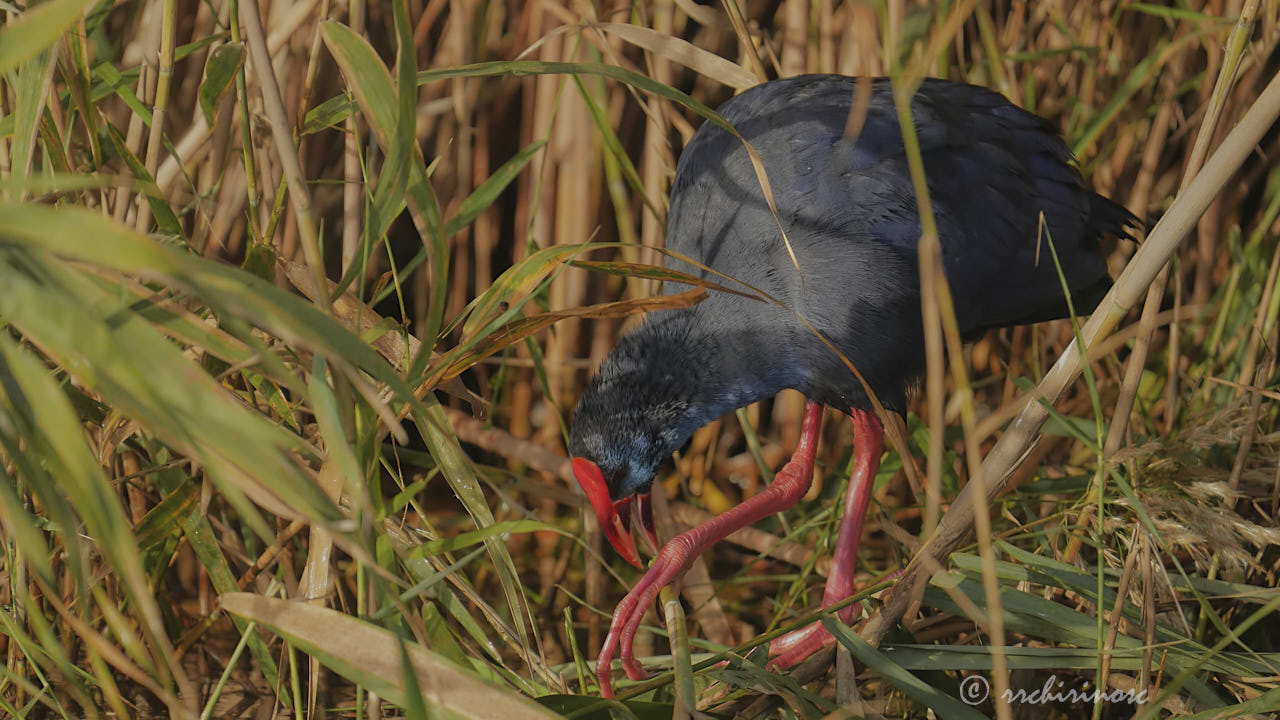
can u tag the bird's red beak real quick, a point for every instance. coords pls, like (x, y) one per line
(615, 517)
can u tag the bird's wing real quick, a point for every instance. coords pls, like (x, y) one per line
(1005, 188)
(993, 171)
(1002, 185)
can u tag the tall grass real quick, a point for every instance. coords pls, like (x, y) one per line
(298, 297)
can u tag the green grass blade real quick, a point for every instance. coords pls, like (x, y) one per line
(920, 691)
(37, 29)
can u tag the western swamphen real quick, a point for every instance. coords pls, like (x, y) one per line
(850, 216)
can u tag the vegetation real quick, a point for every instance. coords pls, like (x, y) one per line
(296, 299)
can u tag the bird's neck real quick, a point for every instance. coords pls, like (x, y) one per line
(692, 372)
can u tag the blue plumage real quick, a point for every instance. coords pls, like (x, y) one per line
(851, 217)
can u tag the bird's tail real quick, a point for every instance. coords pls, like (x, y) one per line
(1107, 217)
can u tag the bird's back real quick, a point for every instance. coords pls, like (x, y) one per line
(850, 216)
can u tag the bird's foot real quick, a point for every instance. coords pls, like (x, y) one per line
(868, 441)
(670, 563)
(789, 485)
(675, 557)
(795, 646)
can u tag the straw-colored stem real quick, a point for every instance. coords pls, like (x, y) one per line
(164, 76)
(246, 137)
(352, 172)
(288, 153)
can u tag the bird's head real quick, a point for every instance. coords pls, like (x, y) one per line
(616, 453)
(641, 407)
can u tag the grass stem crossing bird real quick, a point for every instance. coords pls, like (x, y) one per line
(1001, 184)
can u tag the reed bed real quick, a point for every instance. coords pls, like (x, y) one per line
(298, 298)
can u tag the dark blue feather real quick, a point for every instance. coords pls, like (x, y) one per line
(850, 214)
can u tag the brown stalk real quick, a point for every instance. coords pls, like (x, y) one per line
(287, 152)
(352, 174)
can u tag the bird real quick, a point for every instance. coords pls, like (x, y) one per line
(838, 255)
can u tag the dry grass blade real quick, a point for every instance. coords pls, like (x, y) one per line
(369, 655)
(695, 58)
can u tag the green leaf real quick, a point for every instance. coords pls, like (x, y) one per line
(165, 520)
(260, 260)
(466, 539)
(37, 29)
(166, 220)
(901, 678)
(366, 76)
(113, 81)
(327, 114)
(484, 196)
(219, 72)
(32, 91)
(515, 284)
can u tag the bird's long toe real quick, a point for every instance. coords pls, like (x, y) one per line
(629, 662)
(603, 677)
(793, 648)
(604, 671)
(632, 666)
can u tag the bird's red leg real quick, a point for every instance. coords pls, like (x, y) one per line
(789, 485)
(868, 444)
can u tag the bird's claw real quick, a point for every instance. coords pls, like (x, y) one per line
(794, 647)
(634, 670)
(788, 486)
(669, 564)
